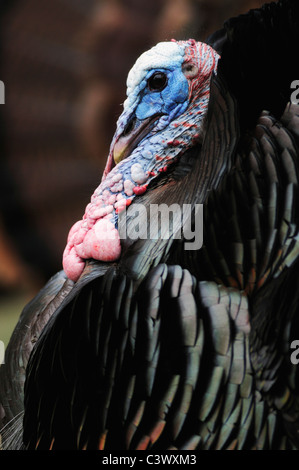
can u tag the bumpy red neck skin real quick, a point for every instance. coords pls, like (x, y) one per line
(176, 126)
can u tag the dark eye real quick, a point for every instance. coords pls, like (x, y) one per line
(157, 81)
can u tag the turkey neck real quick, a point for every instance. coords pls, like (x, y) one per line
(199, 171)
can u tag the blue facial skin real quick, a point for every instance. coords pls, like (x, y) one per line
(171, 101)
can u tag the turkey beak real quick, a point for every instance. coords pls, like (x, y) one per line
(133, 133)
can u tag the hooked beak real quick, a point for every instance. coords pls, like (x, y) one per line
(133, 133)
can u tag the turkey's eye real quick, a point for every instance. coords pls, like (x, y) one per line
(157, 81)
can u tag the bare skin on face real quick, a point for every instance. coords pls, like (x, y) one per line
(168, 94)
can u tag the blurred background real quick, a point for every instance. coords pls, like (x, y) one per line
(64, 65)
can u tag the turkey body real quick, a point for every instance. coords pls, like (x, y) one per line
(168, 348)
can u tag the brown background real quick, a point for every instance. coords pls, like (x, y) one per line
(64, 65)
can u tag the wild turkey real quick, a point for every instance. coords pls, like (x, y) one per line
(154, 346)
